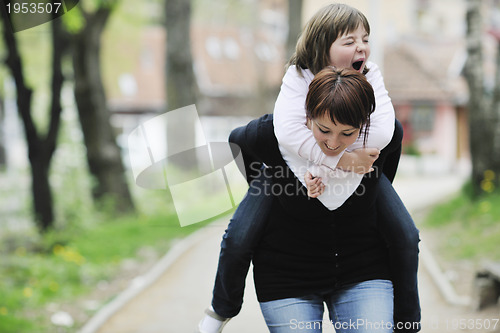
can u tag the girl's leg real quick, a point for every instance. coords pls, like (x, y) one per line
(237, 246)
(391, 158)
(402, 238)
(304, 314)
(362, 307)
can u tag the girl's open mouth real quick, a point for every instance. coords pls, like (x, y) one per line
(357, 65)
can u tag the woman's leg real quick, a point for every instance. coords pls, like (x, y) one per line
(402, 238)
(362, 307)
(237, 246)
(303, 314)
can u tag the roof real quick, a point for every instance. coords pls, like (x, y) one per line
(229, 62)
(424, 70)
(236, 60)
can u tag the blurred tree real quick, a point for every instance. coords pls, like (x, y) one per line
(483, 105)
(40, 147)
(3, 157)
(103, 154)
(294, 25)
(180, 79)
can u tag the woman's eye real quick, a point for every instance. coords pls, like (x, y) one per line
(348, 134)
(322, 131)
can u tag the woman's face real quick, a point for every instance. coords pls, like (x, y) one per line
(332, 138)
(351, 50)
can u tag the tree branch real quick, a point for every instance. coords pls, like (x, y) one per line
(24, 93)
(60, 44)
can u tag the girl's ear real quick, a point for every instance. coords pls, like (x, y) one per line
(309, 123)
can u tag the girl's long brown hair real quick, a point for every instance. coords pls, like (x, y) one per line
(329, 23)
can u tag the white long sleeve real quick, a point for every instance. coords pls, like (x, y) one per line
(290, 120)
(297, 143)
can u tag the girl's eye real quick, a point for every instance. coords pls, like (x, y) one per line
(348, 134)
(322, 131)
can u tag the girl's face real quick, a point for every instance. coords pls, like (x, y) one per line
(332, 138)
(351, 50)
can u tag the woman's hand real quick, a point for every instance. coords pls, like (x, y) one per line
(315, 186)
(359, 160)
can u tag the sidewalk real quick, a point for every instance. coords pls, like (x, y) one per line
(173, 297)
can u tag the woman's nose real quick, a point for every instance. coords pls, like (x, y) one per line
(333, 141)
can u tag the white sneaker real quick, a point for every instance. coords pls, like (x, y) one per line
(212, 322)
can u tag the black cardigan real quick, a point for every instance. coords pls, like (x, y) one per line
(306, 248)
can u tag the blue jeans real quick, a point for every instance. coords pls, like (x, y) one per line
(360, 307)
(395, 223)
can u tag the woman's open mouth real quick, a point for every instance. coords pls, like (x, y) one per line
(357, 65)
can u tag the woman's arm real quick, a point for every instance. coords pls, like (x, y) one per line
(258, 145)
(246, 143)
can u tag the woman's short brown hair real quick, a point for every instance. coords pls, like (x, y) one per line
(344, 95)
(329, 23)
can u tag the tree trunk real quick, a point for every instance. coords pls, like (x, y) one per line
(103, 153)
(479, 133)
(42, 193)
(294, 25)
(180, 80)
(484, 107)
(40, 150)
(3, 153)
(495, 124)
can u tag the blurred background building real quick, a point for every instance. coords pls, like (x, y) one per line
(419, 45)
(239, 52)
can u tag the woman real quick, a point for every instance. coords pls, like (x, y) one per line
(309, 254)
(336, 35)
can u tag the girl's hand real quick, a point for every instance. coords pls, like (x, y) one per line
(359, 160)
(315, 186)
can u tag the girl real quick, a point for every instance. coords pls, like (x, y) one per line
(337, 35)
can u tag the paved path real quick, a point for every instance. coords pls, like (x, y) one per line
(175, 300)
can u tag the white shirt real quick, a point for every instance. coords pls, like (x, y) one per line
(301, 151)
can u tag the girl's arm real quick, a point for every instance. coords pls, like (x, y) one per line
(290, 119)
(293, 135)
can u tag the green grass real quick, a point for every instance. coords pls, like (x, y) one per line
(65, 265)
(469, 229)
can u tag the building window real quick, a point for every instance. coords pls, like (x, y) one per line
(422, 117)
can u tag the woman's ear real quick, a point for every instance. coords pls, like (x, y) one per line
(309, 123)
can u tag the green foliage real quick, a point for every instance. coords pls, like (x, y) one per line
(84, 249)
(472, 227)
(93, 5)
(74, 21)
(411, 149)
(64, 265)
